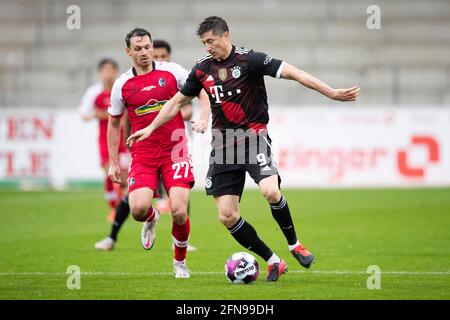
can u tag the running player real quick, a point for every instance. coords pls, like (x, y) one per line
(141, 92)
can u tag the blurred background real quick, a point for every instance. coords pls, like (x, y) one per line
(401, 61)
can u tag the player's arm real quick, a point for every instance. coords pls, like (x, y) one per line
(116, 110)
(201, 125)
(292, 73)
(169, 110)
(95, 114)
(101, 114)
(113, 148)
(125, 126)
(87, 106)
(186, 112)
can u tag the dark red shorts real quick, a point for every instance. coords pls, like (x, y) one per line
(124, 157)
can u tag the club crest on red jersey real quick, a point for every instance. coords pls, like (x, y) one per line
(162, 82)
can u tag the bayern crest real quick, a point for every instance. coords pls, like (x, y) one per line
(236, 72)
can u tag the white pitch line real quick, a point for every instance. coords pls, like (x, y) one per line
(332, 272)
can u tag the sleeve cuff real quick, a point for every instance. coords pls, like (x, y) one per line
(280, 69)
(115, 115)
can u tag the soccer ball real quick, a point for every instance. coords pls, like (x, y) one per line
(241, 267)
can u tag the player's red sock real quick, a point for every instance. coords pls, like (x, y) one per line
(110, 193)
(150, 214)
(180, 237)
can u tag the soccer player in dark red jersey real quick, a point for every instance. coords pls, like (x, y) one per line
(141, 92)
(233, 77)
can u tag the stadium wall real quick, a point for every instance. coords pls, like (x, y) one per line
(323, 147)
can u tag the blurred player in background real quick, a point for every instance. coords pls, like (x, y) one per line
(94, 105)
(162, 52)
(141, 92)
(234, 80)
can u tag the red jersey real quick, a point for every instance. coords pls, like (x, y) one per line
(96, 97)
(143, 96)
(102, 102)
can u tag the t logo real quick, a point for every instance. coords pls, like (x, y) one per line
(215, 93)
(433, 156)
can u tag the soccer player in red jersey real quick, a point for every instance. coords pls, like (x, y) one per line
(141, 92)
(94, 105)
(233, 77)
(162, 51)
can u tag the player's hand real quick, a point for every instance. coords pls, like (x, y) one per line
(199, 126)
(138, 136)
(349, 94)
(114, 173)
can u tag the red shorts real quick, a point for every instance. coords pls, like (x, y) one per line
(124, 157)
(104, 155)
(178, 174)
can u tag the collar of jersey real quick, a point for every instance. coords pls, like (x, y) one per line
(233, 48)
(135, 73)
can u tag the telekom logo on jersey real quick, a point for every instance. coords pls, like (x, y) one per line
(217, 93)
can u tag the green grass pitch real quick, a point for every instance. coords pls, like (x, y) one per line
(406, 232)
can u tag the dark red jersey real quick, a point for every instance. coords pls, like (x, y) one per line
(236, 88)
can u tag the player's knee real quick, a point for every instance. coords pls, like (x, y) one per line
(179, 215)
(228, 217)
(272, 194)
(139, 211)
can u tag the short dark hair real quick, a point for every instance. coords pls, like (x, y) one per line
(217, 25)
(162, 44)
(137, 32)
(110, 61)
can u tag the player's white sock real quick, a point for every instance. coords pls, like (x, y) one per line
(274, 259)
(293, 246)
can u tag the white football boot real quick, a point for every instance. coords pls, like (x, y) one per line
(106, 244)
(148, 233)
(180, 269)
